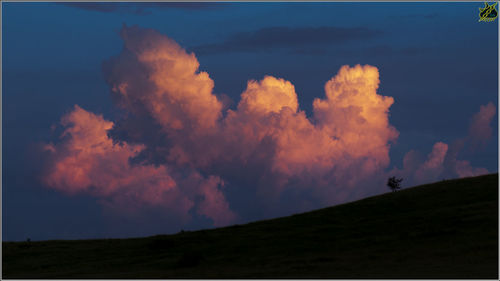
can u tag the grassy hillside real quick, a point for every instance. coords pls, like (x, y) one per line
(447, 229)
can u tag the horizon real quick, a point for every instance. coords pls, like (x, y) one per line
(139, 119)
(256, 221)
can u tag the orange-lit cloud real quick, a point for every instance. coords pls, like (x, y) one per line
(350, 127)
(268, 95)
(357, 116)
(266, 148)
(88, 161)
(346, 142)
(154, 73)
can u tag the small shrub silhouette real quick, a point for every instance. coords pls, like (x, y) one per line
(26, 244)
(394, 183)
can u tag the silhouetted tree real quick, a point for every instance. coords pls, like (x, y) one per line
(394, 183)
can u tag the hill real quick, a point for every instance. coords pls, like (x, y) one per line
(447, 229)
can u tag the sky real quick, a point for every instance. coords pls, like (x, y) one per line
(136, 119)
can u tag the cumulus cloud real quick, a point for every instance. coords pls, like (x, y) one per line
(347, 141)
(169, 85)
(86, 160)
(480, 130)
(179, 148)
(460, 168)
(356, 115)
(443, 161)
(268, 95)
(433, 166)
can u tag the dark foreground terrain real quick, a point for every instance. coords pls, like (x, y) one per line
(447, 229)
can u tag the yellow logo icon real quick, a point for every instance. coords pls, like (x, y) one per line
(488, 13)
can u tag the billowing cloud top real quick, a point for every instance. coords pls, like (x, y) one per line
(156, 74)
(266, 154)
(269, 95)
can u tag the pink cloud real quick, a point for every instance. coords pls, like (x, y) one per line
(346, 142)
(433, 167)
(443, 161)
(266, 144)
(480, 130)
(154, 73)
(88, 161)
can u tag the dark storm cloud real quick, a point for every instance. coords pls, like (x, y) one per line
(310, 51)
(99, 7)
(428, 16)
(286, 37)
(141, 8)
(385, 50)
(372, 51)
(186, 5)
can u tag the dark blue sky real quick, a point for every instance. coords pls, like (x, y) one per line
(438, 62)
